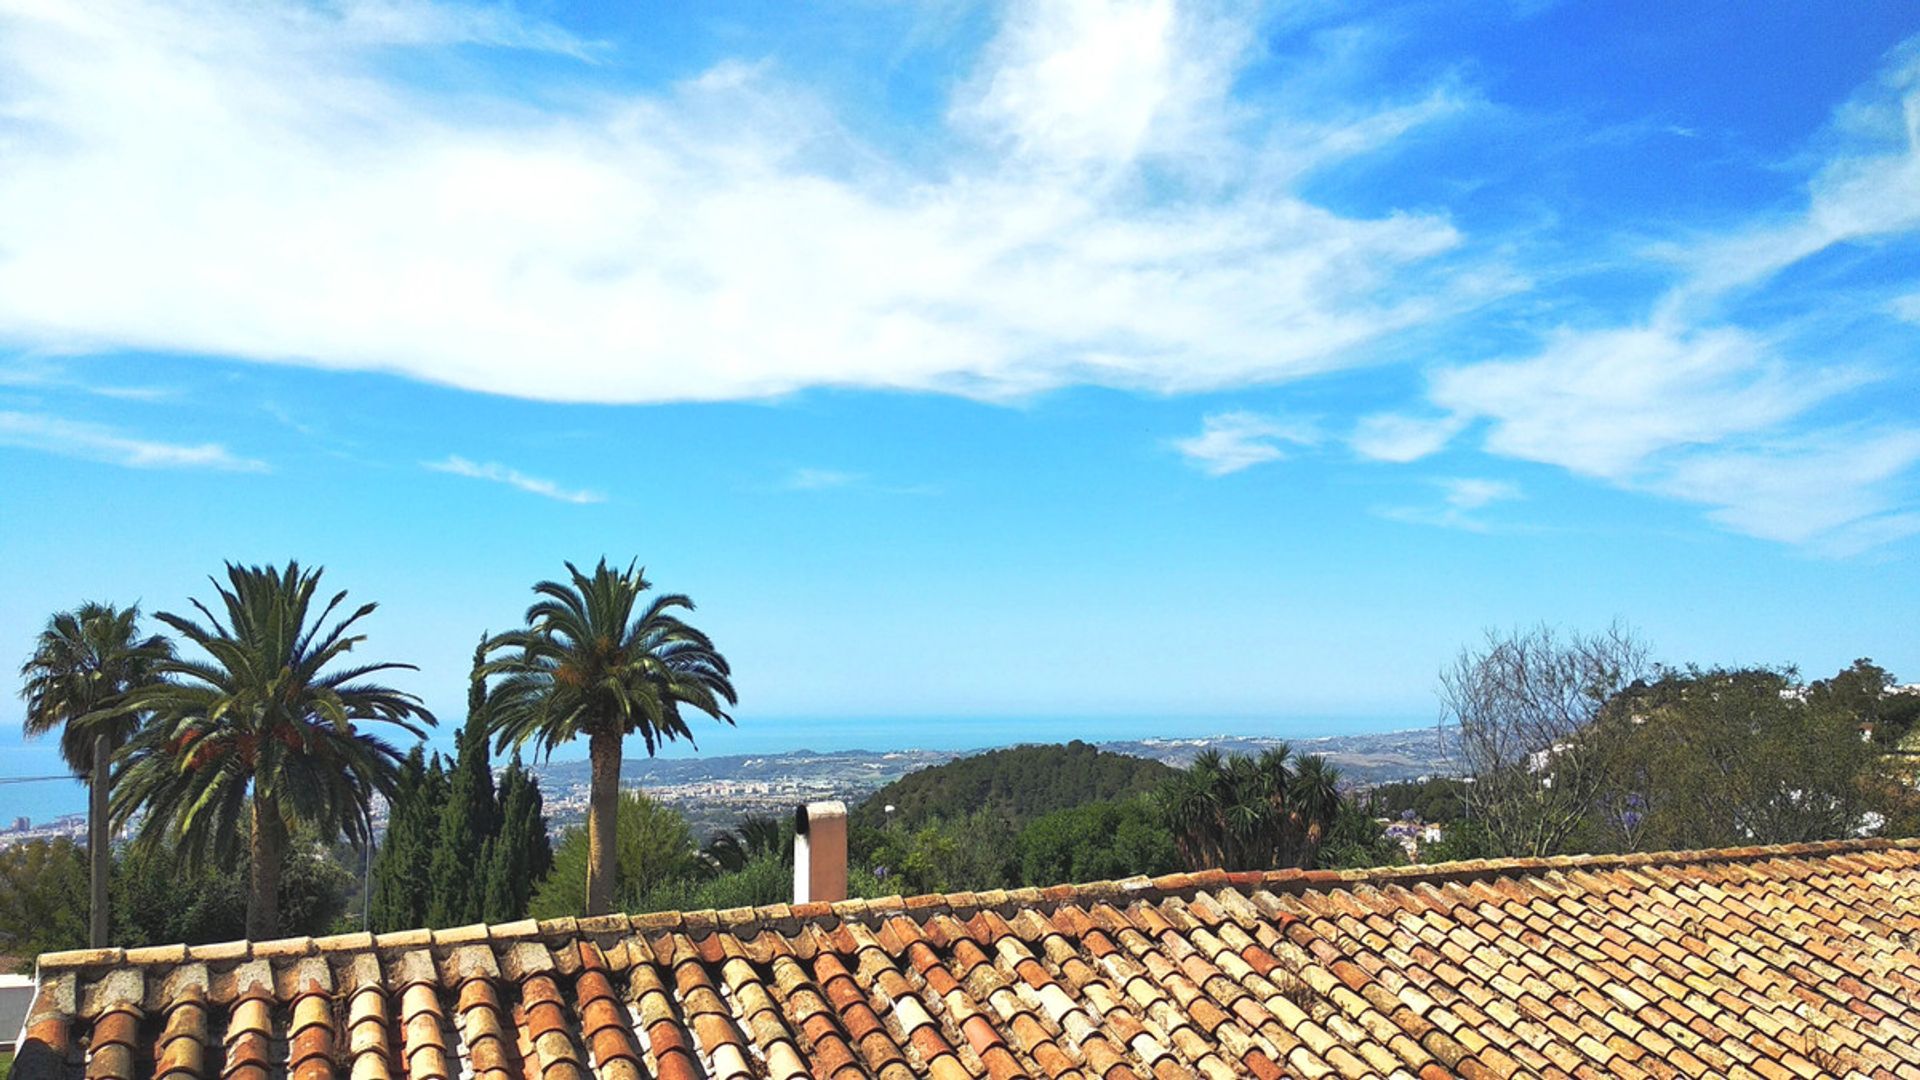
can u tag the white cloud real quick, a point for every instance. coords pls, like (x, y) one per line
(1601, 403)
(1307, 146)
(1868, 187)
(1460, 498)
(1838, 491)
(96, 442)
(1708, 417)
(808, 479)
(1399, 438)
(817, 479)
(1102, 82)
(248, 183)
(257, 183)
(1470, 493)
(420, 22)
(38, 373)
(502, 474)
(1232, 441)
(1691, 405)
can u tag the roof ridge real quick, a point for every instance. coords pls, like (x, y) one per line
(1125, 890)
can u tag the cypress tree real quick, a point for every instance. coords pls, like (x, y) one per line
(457, 850)
(521, 853)
(401, 865)
(468, 819)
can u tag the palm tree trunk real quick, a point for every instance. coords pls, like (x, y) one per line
(603, 809)
(99, 843)
(263, 893)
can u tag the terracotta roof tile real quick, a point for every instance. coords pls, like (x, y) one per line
(1777, 963)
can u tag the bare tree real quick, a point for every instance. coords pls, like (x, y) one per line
(1525, 704)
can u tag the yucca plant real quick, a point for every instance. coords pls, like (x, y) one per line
(755, 837)
(1316, 803)
(261, 737)
(600, 660)
(1242, 813)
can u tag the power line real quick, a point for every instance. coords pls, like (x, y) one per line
(32, 779)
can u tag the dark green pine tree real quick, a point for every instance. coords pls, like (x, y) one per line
(521, 854)
(405, 858)
(468, 820)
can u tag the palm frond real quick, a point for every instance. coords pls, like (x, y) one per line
(263, 714)
(594, 657)
(84, 667)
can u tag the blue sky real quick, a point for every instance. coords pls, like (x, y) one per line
(1084, 368)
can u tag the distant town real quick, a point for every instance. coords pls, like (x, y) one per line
(716, 792)
(68, 826)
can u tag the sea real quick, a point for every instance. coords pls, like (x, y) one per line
(34, 783)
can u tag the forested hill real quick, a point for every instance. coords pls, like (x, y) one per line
(1019, 783)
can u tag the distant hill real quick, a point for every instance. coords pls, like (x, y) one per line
(715, 792)
(852, 767)
(1020, 783)
(1367, 759)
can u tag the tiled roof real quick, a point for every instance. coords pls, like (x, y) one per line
(1758, 962)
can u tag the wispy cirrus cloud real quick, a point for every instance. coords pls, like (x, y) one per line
(1602, 403)
(1865, 188)
(1401, 438)
(514, 478)
(423, 22)
(1113, 193)
(98, 442)
(1460, 500)
(39, 373)
(1836, 491)
(1713, 417)
(811, 479)
(1231, 441)
(1720, 405)
(254, 184)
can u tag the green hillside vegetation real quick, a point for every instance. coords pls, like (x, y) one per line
(1440, 799)
(1580, 743)
(1102, 841)
(1015, 785)
(658, 867)
(1048, 815)
(157, 897)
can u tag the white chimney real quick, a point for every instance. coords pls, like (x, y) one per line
(820, 852)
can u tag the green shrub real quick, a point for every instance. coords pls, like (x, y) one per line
(1100, 841)
(43, 897)
(653, 849)
(157, 901)
(765, 879)
(1358, 841)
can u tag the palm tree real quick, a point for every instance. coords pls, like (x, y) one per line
(261, 728)
(592, 661)
(84, 665)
